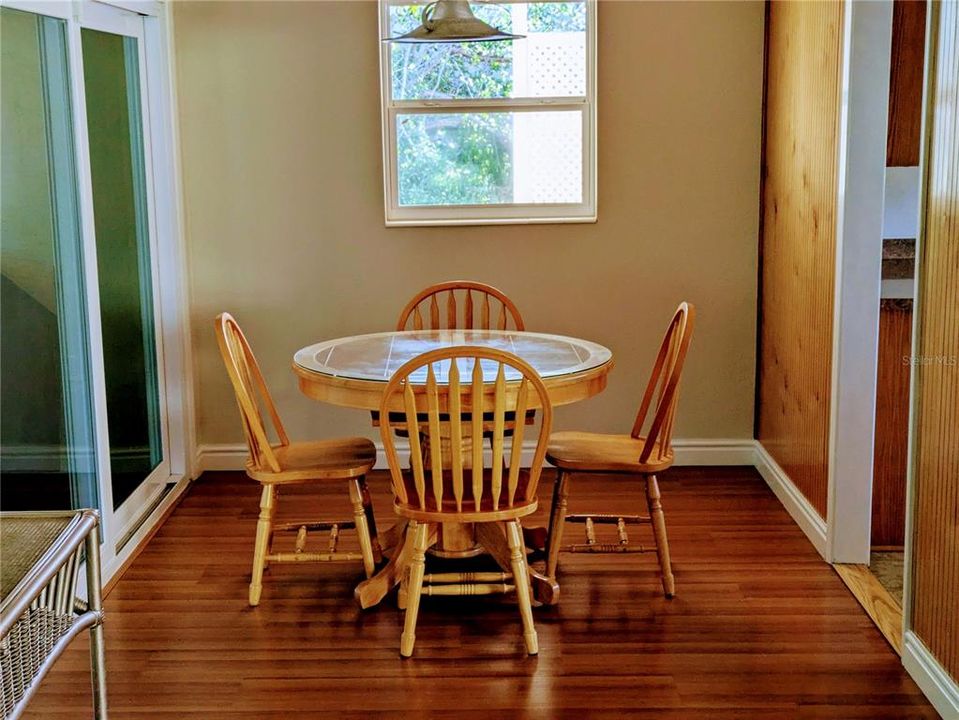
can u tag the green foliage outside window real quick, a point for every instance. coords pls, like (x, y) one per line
(557, 17)
(463, 158)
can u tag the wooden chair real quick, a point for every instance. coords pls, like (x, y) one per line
(639, 453)
(448, 483)
(441, 303)
(496, 310)
(289, 463)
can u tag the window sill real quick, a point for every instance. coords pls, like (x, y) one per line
(438, 222)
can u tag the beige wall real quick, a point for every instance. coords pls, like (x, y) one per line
(280, 126)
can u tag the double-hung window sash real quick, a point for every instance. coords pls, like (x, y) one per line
(491, 132)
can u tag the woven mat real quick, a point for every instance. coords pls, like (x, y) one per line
(23, 540)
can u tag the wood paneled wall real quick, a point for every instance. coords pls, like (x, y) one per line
(798, 246)
(905, 82)
(892, 424)
(935, 589)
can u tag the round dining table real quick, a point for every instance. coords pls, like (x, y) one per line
(353, 372)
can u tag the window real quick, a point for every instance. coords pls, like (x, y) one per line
(491, 132)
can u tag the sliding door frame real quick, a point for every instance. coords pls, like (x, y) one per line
(151, 23)
(126, 515)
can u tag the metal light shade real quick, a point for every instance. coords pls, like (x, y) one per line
(452, 21)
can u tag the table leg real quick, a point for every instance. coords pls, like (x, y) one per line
(372, 591)
(535, 538)
(456, 540)
(371, 522)
(492, 537)
(392, 537)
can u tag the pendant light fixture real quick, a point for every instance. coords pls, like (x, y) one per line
(452, 21)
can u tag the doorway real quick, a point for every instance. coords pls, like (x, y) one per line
(868, 487)
(900, 231)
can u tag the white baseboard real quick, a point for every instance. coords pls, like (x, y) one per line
(707, 451)
(936, 684)
(689, 452)
(219, 457)
(796, 504)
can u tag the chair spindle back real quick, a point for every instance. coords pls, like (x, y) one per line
(663, 385)
(455, 415)
(439, 307)
(251, 392)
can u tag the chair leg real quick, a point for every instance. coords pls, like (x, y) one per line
(514, 534)
(272, 534)
(557, 521)
(403, 592)
(263, 530)
(371, 521)
(414, 586)
(362, 527)
(659, 533)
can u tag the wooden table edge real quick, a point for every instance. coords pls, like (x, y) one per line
(367, 394)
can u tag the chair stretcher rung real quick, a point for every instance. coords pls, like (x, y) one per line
(467, 577)
(468, 589)
(608, 519)
(606, 548)
(312, 557)
(323, 525)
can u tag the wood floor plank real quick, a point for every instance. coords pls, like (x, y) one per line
(760, 626)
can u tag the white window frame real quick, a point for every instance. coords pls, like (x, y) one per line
(499, 213)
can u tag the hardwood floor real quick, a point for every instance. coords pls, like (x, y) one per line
(760, 626)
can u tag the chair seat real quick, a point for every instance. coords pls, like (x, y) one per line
(595, 452)
(486, 511)
(337, 459)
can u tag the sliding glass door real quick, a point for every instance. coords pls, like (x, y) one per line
(83, 372)
(111, 43)
(47, 451)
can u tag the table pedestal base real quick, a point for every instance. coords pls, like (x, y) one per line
(491, 539)
(457, 540)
